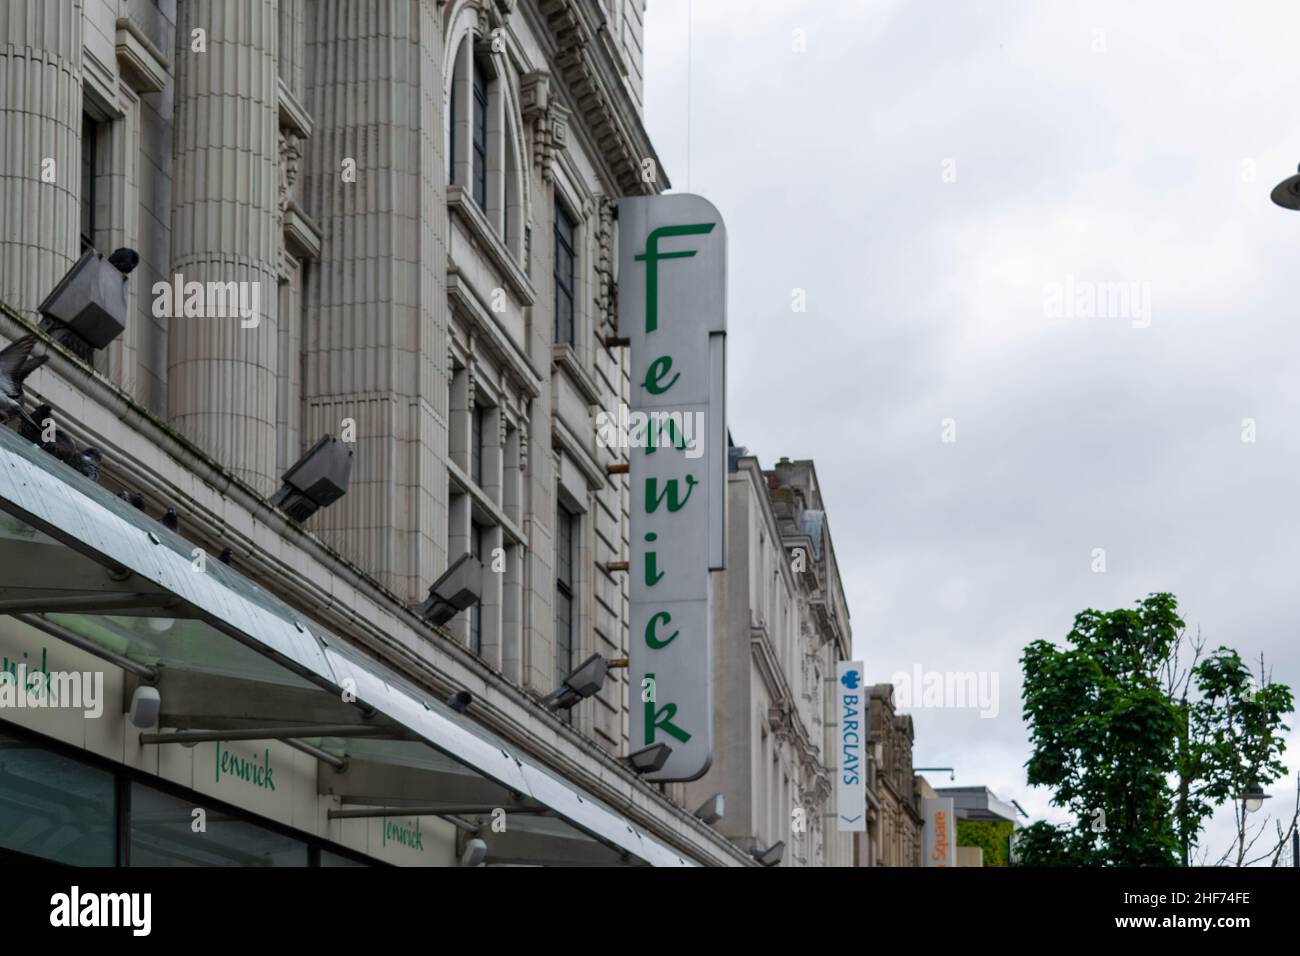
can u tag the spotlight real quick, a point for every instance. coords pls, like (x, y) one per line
(649, 759)
(475, 853)
(712, 809)
(771, 856)
(145, 704)
(316, 480)
(459, 587)
(87, 308)
(581, 683)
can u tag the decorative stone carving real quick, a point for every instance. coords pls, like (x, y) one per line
(547, 119)
(606, 300)
(290, 165)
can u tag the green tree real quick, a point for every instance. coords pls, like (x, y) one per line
(1139, 748)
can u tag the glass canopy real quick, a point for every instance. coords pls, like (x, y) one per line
(88, 568)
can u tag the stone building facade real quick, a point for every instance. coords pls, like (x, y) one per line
(419, 196)
(894, 832)
(781, 625)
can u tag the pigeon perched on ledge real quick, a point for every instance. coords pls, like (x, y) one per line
(16, 363)
(87, 461)
(124, 260)
(60, 446)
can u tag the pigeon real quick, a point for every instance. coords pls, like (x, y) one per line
(16, 363)
(87, 461)
(137, 501)
(60, 446)
(171, 521)
(460, 700)
(124, 260)
(226, 556)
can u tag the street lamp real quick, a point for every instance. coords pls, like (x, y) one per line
(1287, 193)
(1254, 798)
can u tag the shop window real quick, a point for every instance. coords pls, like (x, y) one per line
(55, 808)
(162, 834)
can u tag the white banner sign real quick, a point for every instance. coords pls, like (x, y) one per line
(939, 844)
(672, 305)
(854, 715)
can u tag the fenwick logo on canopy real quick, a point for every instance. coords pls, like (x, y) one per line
(672, 306)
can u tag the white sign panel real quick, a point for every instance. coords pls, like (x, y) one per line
(939, 844)
(672, 305)
(854, 716)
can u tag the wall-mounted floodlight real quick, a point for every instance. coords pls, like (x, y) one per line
(475, 853)
(649, 759)
(771, 856)
(459, 588)
(712, 809)
(584, 681)
(145, 705)
(89, 302)
(316, 480)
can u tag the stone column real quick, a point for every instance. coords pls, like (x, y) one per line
(222, 369)
(376, 331)
(40, 160)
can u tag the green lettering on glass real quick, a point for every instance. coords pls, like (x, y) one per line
(652, 641)
(661, 719)
(657, 370)
(652, 256)
(653, 496)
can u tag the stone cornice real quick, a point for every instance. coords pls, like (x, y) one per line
(592, 78)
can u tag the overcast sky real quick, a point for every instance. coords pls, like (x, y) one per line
(935, 176)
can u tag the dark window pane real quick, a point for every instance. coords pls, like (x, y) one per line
(456, 91)
(480, 136)
(565, 526)
(476, 445)
(89, 135)
(55, 808)
(328, 858)
(162, 834)
(564, 271)
(475, 611)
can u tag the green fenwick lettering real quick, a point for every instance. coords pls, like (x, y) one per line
(652, 256)
(651, 638)
(657, 370)
(653, 496)
(661, 719)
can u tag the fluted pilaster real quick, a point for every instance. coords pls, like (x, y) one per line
(376, 329)
(40, 146)
(221, 379)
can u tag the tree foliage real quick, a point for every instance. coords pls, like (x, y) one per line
(1139, 748)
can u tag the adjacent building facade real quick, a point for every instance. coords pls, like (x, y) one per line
(780, 627)
(412, 203)
(894, 830)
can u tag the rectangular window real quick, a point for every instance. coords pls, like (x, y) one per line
(480, 136)
(476, 444)
(476, 610)
(162, 834)
(564, 245)
(89, 138)
(454, 145)
(55, 808)
(565, 526)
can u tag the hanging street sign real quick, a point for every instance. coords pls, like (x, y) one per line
(672, 306)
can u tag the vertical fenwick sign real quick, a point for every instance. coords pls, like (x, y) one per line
(672, 306)
(851, 779)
